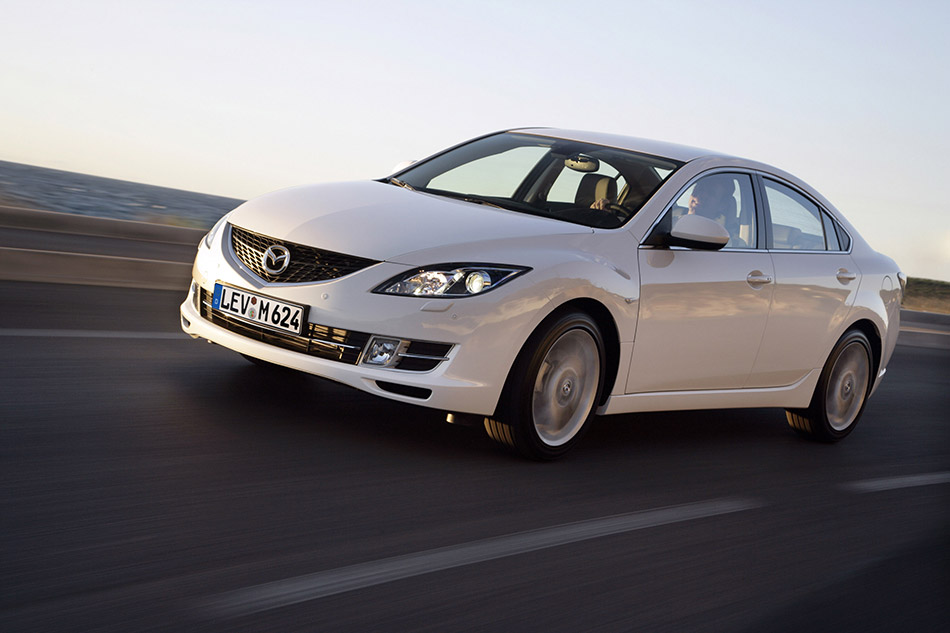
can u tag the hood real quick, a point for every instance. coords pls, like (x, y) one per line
(382, 221)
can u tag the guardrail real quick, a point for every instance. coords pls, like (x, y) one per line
(18, 264)
(53, 221)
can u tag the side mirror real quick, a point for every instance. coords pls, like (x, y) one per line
(695, 231)
(401, 165)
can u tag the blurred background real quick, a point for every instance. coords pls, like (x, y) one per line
(240, 98)
(151, 482)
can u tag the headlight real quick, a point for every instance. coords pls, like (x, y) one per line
(450, 280)
(214, 230)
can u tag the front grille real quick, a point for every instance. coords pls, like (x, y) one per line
(307, 264)
(321, 341)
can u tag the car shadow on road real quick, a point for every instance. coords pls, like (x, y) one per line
(690, 427)
(277, 402)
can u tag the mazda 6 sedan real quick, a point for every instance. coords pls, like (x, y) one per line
(531, 279)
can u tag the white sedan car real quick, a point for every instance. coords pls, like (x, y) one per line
(534, 278)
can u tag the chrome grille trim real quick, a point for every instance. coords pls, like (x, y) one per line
(423, 357)
(307, 263)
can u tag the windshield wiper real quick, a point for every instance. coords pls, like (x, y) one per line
(466, 197)
(400, 183)
(480, 201)
(447, 194)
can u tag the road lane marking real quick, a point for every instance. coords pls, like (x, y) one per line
(282, 593)
(23, 332)
(894, 483)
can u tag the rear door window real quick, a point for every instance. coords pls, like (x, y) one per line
(797, 223)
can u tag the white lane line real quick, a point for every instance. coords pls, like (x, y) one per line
(894, 483)
(290, 591)
(91, 334)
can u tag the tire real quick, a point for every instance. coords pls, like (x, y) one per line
(841, 393)
(552, 390)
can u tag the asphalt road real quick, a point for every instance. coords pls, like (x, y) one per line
(152, 482)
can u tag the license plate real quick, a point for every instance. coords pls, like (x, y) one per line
(255, 308)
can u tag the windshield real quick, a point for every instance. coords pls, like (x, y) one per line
(576, 182)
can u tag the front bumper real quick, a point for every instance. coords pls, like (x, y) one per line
(440, 388)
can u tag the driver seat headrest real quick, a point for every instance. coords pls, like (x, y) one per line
(594, 187)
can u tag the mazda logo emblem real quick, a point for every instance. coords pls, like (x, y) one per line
(276, 259)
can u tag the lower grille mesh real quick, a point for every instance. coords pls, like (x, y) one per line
(321, 341)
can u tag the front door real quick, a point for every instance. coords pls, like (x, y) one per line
(703, 313)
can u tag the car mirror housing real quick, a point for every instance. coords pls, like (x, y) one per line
(403, 164)
(695, 231)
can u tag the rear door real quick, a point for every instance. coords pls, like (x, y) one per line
(816, 281)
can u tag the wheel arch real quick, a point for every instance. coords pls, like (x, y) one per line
(869, 329)
(608, 330)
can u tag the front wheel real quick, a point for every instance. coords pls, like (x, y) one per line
(553, 389)
(842, 391)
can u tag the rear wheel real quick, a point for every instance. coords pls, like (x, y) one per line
(842, 391)
(553, 389)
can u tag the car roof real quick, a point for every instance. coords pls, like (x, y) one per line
(682, 153)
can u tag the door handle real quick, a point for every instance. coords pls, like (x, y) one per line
(756, 278)
(844, 275)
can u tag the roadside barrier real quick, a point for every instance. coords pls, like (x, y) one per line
(20, 264)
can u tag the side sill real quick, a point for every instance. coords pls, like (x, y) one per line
(793, 396)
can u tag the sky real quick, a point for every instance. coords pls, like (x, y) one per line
(238, 98)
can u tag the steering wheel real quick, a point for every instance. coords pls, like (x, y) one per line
(619, 210)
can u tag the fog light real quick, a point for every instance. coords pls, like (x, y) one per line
(381, 351)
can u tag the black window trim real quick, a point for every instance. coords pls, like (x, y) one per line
(757, 210)
(767, 216)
